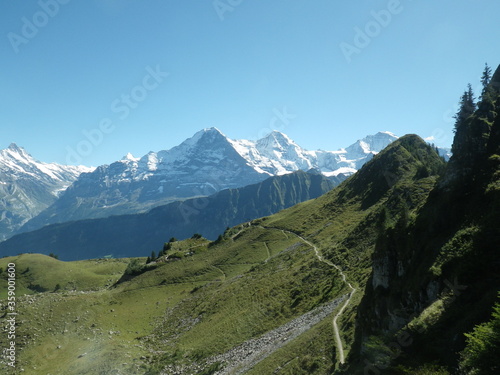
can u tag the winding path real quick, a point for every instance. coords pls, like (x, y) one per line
(338, 340)
(268, 252)
(241, 230)
(336, 332)
(221, 271)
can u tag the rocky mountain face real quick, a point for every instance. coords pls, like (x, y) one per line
(202, 165)
(28, 186)
(137, 234)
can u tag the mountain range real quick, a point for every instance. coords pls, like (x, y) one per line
(200, 166)
(136, 234)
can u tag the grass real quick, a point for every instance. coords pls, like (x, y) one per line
(46, 273)
(104, 327)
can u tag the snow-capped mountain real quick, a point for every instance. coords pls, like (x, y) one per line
(201, 165)
(277, 154)
(28, 186)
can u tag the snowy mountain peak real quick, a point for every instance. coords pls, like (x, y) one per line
(16, 160)
(371, 144)
(213, 132)
(279, 136)
(16, 153)
(130, 157)
(392, 135)
(208, 134)
(14, 147)
(276, 139)
(28, 186)
(277, 154)
(212, 129)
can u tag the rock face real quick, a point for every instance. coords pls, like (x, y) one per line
(28, 186)
(202, 165)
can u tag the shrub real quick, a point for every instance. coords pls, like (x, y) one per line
(480, 356)
(135, 267)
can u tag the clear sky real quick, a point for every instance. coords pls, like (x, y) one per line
(89, 80)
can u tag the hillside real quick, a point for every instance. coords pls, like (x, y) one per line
(436, 274)
(272, 283)
(133, 235)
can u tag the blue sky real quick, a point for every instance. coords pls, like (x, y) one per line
(89, 81)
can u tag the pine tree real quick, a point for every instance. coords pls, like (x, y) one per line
(467, 106)
(153, 256)
(485, 81)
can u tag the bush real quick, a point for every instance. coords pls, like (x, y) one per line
(37, 288)
(135, 267)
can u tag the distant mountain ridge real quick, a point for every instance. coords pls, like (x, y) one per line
(277, 154)
(137, 234)
(28, 186)
(201, 165)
